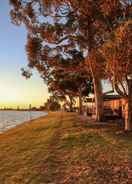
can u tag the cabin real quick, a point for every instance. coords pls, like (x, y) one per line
(114, 105)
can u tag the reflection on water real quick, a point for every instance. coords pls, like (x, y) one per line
(9, 119)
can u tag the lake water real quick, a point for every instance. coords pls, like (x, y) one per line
(9, 119)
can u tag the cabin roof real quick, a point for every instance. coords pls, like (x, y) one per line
(112, 97)
(106, 98)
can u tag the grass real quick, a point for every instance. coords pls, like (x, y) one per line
(64, 148)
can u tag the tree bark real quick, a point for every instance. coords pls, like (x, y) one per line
(71, 103)
(95, 71)
(99, 101)
(80, 102)
(129, 119)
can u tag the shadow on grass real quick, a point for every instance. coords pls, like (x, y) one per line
(82, 140)
(124, 136)
(100, 125)
(44, 128)
(111, 128)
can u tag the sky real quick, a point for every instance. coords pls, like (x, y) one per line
(15, 90)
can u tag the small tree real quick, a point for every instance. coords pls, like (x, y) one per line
(52, 104)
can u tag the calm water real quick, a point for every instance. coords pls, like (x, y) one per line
(9, 119)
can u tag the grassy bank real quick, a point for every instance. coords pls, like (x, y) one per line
(64, 148)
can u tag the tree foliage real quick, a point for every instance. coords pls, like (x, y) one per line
(57, 28)
(118, 54)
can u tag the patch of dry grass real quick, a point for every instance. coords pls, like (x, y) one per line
(63, 148)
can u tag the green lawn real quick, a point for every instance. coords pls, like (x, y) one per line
(64, 148)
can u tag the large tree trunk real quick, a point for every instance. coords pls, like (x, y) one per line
(71, 103)
(96, 73)
(128, 122)
(80, 102)
(99, 101)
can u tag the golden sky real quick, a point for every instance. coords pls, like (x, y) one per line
(15, 91)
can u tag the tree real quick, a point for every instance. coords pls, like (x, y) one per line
(59, 26)
(52, 104)
(118, 53)
(97, 65)
(70, 78)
